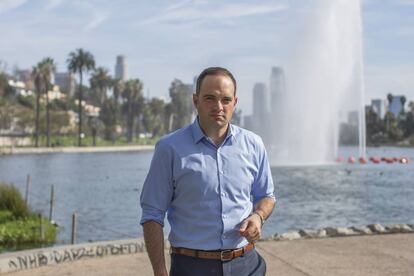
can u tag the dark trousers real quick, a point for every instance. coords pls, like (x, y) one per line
(250, 264)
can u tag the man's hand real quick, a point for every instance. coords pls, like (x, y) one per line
(154, 242)
(251, 228)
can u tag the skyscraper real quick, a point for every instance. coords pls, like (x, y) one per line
(121, 68)
(277, 86)
(66, 82)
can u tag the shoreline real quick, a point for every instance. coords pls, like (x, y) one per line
(45, 150)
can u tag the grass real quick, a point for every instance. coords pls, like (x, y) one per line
(19, 227)
(72, 141)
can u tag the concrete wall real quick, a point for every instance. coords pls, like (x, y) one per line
(22, 260)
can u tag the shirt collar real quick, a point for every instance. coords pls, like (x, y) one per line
(198, 133)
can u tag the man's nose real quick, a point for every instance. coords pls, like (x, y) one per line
(218, 105)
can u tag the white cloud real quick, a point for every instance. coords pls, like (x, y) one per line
(190, 11)
(8, 5)
(97, 19)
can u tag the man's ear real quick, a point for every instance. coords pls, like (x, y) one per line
(195, 99)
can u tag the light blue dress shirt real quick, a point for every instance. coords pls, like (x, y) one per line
(206, 190)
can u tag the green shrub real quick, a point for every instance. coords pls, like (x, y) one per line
(11, 200)
(27, 231)
(5, 216)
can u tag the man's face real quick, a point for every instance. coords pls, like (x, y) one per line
(215, 102)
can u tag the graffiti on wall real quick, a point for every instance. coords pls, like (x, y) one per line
(39, 259)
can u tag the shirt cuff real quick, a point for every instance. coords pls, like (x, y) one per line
(154, 214)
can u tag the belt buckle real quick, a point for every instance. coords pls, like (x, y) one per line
(226, 258)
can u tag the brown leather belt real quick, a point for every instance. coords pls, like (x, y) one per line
(225, 255)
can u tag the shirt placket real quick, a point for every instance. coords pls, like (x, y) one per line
(223, 195)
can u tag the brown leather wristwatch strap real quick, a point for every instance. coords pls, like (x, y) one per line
(225, 255)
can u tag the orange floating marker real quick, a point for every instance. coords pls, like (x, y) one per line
(389, 160)
(362, 160)
(339, 159)
(375, 160)
(351, 159)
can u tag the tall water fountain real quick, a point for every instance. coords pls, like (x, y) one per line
(323, 80)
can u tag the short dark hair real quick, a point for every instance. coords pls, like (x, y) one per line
(214, 71)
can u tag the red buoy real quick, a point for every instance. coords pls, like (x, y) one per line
(339, 159)
(362, 160)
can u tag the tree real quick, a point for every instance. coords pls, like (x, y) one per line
(108, 116)
(133, 104)
(390, 98)
(3, 83)
(80, 62)
(153, 118)
(39, 84)
(100, 82)
(47, 66)
(182, 105)
(403, 99)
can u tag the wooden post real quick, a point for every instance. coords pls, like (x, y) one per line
(73, 239)
(26, 199)
(52, 202)
(42, 231)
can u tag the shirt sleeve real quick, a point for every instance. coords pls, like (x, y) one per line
(263, 185)
(157, 191)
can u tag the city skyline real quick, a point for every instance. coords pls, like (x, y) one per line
(177, 39)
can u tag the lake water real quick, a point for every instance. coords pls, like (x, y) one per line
(103, 190)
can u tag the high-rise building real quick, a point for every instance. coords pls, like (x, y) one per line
(277, 86)
(259, 101)
(378, 106)
(66, 82)
(396, 105)
(121, 68)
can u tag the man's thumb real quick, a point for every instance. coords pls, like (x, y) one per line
(243, 226)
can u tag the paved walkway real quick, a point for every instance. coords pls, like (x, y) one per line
(362, 255)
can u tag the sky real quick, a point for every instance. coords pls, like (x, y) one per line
(163, 40)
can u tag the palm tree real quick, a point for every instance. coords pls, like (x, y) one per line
(38, 82)
(100, 81)
(133, 105)
(403, 99)
(80, 62)
(48, 67)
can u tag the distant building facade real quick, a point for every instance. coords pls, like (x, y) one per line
(396, 105)
(378, 106)
(66, 82)
(259, 101)
(353, 118)
(277, 86)
(121, 68)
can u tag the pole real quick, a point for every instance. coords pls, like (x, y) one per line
(73, 238)
(42, 232)
(52, 202)
(26, 199)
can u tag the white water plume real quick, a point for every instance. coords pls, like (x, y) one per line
(320, 84)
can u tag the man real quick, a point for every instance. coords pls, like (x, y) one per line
(213, 180)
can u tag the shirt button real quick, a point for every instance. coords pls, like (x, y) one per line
(223, 194)
(221, 172)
